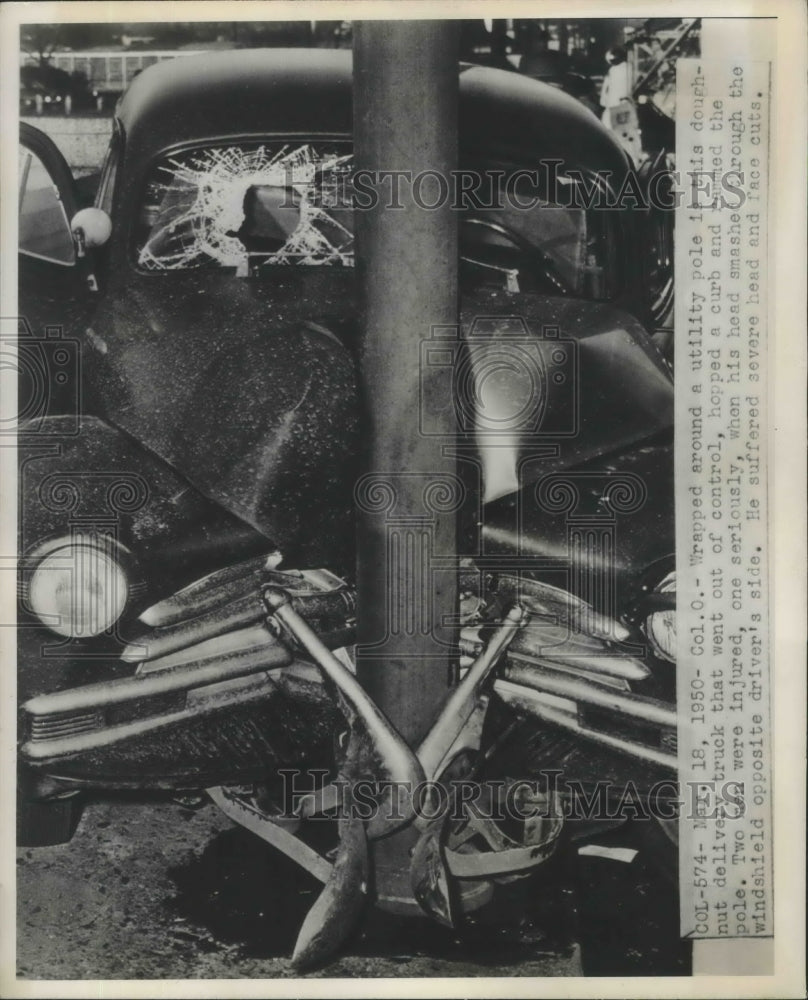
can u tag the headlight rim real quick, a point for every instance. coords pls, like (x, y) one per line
(665, 586)
(33, 558)
(645, 599)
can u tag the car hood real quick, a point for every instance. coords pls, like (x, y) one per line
(243, 387)
(594, 529)
(249, 389)
(553, 383)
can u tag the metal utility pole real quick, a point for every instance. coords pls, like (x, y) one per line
(405, 119)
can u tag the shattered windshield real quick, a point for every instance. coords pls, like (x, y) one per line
(249, 206)
(245, 207)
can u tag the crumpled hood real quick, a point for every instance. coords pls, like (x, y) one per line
(242, 386)
(236, 385)
(550, 383)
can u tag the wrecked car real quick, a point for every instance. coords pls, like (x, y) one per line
(190, 421)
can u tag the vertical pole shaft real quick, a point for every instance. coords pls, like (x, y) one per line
(405, 119)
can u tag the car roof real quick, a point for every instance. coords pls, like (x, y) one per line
(308, 92)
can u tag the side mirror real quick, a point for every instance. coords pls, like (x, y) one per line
(91, 227)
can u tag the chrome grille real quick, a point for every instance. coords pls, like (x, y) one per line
(59, 724)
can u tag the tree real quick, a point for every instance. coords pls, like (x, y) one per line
(39, 40)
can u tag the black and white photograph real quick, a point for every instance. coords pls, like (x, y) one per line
(389, 420)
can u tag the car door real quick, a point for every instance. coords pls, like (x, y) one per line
(53, 299)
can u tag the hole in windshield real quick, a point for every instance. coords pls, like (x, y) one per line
(247, 207)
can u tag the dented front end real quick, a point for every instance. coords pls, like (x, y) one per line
(563, 414)
(208, 692)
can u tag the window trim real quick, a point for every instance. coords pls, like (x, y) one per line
(32, 153)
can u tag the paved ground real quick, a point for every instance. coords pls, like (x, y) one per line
(154, 891)
(158, 891)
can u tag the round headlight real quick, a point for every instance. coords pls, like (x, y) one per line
(77, 588)
(660, 626)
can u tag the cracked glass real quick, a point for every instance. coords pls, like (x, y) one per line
(246, 207)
